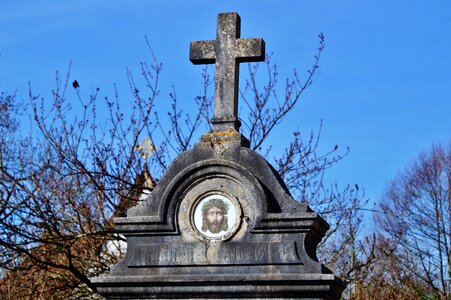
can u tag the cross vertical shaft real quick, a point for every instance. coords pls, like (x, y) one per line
(227, 52)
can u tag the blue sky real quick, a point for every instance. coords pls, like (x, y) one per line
(383, 87)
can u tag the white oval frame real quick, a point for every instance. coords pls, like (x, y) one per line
(233, 216)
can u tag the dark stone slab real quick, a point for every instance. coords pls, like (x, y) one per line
(271, 251)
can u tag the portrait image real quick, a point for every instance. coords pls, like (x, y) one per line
(214, 216)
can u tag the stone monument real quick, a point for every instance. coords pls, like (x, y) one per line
(221, 223)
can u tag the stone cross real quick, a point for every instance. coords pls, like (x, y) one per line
(227, 52)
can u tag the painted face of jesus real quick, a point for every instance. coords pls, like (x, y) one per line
(214, 218)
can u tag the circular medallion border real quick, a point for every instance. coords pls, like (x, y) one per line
(228, 208)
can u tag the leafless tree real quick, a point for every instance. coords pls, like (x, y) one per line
(417, 222)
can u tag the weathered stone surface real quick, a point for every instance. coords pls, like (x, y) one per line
(270, 254)
(227, 51)
(221, 223)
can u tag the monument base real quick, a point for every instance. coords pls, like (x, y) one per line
(261, 286)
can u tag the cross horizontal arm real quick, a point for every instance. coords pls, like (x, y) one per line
(250, 50)
(202, 52)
